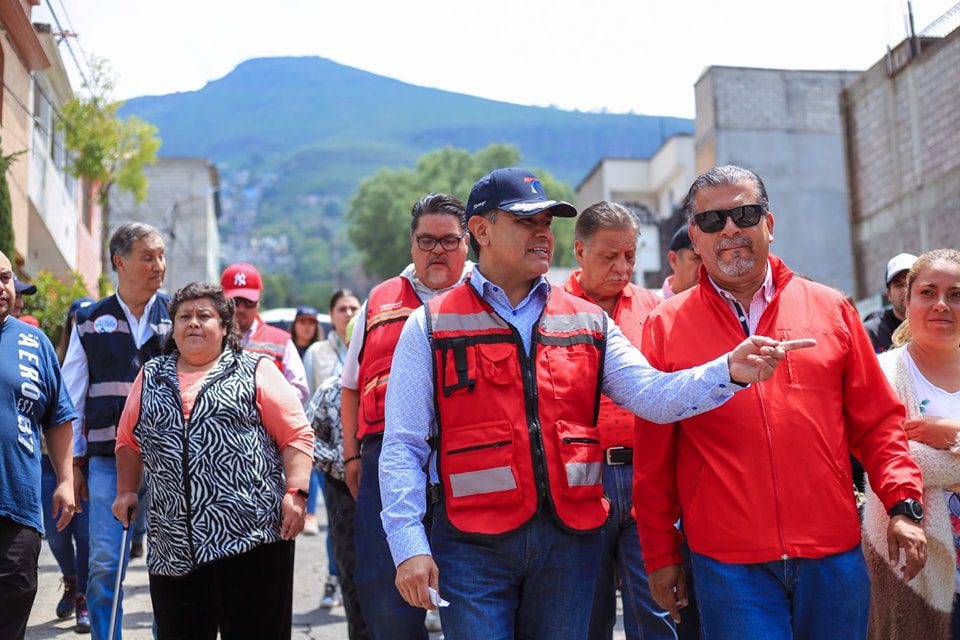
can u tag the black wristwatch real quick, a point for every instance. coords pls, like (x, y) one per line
(910, 508)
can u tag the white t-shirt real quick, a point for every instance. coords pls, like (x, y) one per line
(934, 401)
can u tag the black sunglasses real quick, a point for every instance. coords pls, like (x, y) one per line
(747, 215)
(243, 302)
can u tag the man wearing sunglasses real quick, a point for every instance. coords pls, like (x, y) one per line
(438, 246)
(767, 507)
(242, 282)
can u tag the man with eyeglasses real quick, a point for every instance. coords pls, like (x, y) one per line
(242, 282)
(438, 247)
(767, 507)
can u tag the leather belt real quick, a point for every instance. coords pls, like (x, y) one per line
(618, 455)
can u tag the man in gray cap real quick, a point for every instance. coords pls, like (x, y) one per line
(880, 325)
(499, 385)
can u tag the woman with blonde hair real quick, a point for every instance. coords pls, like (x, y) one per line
(924, 370)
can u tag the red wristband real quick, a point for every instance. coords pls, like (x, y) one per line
(299, 492)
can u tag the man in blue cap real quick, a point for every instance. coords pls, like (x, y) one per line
(684, 263)
(501, 379)
(22, 289)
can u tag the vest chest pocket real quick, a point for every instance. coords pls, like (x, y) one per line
(479, 465)
(573, 373)
(464, 365)
(582, 459)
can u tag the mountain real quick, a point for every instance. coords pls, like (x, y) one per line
(293, 137)
(351, 122)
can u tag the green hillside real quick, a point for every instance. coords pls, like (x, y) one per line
(351, 121)
(293, 137)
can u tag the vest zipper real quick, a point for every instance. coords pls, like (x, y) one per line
(533, 415)
(580, 441)
(773, 471)
(185, 457)
(478, 447)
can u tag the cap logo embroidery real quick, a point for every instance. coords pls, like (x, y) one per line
(240, 280)
(534, 184)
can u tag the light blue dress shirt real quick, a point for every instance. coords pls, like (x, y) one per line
(628, 379)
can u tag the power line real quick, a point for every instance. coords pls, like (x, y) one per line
(83, 54)
(69, 48)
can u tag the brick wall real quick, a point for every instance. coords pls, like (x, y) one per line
(903, 158)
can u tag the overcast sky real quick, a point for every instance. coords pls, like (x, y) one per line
(627, 55)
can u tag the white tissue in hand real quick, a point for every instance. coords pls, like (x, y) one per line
(436, 599)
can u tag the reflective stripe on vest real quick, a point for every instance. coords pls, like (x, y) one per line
(388, 306)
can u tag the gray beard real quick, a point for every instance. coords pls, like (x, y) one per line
(739, 267)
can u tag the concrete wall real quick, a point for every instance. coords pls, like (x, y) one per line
(786, 127)
(181, 204)
(903, 148)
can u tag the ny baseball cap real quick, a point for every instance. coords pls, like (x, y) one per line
(516, 191)
(24, 288)
(898, 264)
(242, 280)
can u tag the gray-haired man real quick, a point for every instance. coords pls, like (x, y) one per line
(111, 340)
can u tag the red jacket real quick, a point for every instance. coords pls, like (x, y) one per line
(518, 433)
(767, 475)
(633, 306)
(270, 341)
(389, 305)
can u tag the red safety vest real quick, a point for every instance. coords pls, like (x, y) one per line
(633, 306)
(388, 307)
(515, 431)
(270, 341)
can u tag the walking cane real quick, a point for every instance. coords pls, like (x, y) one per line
(116, 587)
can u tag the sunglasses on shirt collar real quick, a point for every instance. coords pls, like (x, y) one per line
(747, 215)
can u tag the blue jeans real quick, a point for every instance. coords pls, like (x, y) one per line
(533, 583)
(387, 616)
(317, 484)
(106, 532)
(800, 598)
(71, 562)
(642, 617)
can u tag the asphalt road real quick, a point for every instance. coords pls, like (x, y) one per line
(310, 622)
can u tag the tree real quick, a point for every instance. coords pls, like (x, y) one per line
(379, 213)
(109, 152)
(52, 301)
(7, 242)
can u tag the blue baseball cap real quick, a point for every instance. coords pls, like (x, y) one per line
(78, 304)
(681, 239)
(515, 191)
(23, 288)
(309, 312)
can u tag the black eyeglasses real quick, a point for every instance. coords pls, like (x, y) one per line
(747, 215)
(449, 243)
(243, 302)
